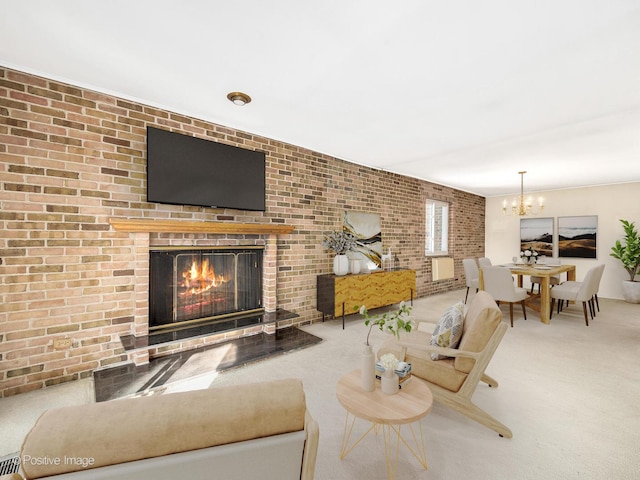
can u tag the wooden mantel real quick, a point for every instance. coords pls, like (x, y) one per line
(137, 225)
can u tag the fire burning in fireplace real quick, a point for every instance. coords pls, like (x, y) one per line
(201, 278)
(203, 284)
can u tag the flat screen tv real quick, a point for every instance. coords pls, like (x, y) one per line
(184, 170)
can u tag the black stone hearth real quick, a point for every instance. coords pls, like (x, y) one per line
(168, 336)
(128, 380)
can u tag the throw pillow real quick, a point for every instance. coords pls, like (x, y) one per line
(448, 331)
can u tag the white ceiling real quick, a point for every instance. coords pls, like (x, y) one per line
(463, 93)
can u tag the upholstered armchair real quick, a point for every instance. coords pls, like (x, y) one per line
(456, 373)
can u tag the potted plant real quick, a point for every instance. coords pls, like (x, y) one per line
(629, 254)
(394, 322)
(341, 242)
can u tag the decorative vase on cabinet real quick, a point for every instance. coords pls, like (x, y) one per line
(340, 264)
(355, 266)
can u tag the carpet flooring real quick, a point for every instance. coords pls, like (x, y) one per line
(568, 392)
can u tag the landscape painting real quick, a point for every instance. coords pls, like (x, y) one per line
(577, 236)
(366, 228)
(537, 233)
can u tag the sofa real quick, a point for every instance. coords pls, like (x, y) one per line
(259, 430)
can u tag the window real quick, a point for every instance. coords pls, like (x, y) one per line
(436, 228)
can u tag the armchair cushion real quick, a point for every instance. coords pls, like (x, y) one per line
(481, 320)
(441, 372)
(448, 330)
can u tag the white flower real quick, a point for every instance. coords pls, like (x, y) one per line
(363, 309)
(389, 361)
(527, 253)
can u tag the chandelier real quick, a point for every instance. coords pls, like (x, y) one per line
(521, 206)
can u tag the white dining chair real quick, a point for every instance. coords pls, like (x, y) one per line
(484, 262)
(499, 284)
(536, 280)
(471, 275)
(599, 273)
(574, 291)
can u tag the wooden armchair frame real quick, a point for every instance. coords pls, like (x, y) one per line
(461, 400)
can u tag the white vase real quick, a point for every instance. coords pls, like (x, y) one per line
(368, 369)
(355, 266)
(340, 265)
(389, 382)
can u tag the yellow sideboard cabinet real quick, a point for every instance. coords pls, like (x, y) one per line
(343, 295)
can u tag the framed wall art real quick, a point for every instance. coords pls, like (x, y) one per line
(537, 233)
(366, 228)
(577, 236)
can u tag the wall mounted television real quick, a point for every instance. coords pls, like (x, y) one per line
(185, 170)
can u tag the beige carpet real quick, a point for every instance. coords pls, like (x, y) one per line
(568, 392)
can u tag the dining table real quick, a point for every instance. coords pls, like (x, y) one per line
(545, 272)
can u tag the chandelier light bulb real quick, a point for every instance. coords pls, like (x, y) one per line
(520, 206)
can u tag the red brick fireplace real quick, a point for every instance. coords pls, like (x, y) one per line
(149, 234)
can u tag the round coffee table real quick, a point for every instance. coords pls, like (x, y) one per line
(410, 405)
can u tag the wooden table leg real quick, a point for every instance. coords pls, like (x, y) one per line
(545, 299)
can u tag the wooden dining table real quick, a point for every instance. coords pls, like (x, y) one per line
(545, 272)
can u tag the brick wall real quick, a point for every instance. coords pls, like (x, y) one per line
(71, 158)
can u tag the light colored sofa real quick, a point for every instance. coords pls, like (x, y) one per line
(260, 430)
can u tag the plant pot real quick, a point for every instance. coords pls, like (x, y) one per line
(631, 291)
(389, 382)
(340, 265)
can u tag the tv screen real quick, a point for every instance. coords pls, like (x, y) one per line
(184, 170)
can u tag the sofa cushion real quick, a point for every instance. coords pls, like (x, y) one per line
(481, 320)
(448, 330)
(131, 429)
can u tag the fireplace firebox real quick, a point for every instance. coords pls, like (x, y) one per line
(194, 285)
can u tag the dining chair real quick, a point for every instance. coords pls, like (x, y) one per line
(599, 273)
(536, 280)
(499, 284)
(484, 262)
(574, 291)
(471, 275)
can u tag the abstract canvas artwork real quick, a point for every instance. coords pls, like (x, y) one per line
(577, 236)
(537, 233)
(366, 228)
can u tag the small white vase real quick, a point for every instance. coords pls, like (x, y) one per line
(368, 369)
(340, 265)
(389, 382)
(355, 266)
